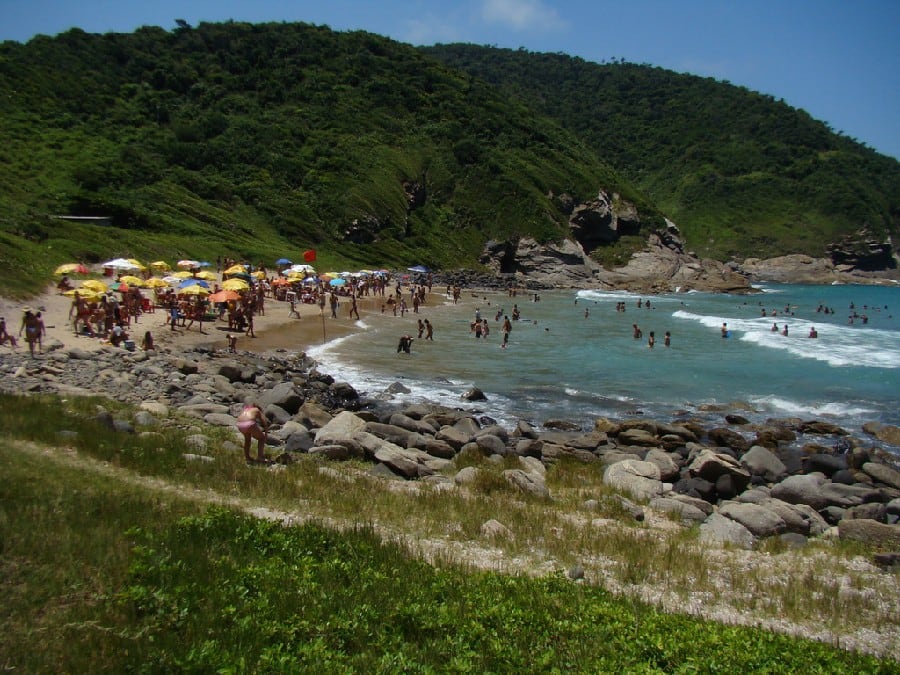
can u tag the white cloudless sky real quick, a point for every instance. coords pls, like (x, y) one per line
(838, 60)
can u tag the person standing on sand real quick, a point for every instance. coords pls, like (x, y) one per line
(334, 305)
(252, 423)
(31, 328)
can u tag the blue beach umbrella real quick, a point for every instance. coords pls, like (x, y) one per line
(337, 282)
(205, 264)
(192, 282)
(283, 261)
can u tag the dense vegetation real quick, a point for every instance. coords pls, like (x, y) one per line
(259, 141)
(137, 578)
(741, 173)
(256, 140)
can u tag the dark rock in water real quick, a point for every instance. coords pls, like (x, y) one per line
(822, 429)
(397, 388)
(474, 394)
(561, 425)
(886, 433)
(739, 420)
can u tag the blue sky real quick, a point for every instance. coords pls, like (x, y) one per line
(838, 60)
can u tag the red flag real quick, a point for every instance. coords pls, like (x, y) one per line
(309, 256)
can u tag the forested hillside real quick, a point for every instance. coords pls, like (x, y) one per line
(741, 173)
(256, 140)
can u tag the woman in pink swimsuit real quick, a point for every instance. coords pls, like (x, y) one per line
(252, 423)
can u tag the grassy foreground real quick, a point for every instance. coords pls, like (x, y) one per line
(100, 574)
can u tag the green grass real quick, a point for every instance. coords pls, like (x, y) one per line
(102, 577)
(816, 587)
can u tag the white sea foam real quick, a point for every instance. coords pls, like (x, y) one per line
(797, 409)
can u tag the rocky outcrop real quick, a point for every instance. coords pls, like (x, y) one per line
(803, 269)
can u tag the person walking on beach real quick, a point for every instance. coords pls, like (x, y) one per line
(429, 330)
(31, 328)
(252, 423)
(333, 301)
(353, 308)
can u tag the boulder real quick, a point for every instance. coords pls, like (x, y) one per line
(761, 462)
(803, 489)
(845, 496)
(405, 462)
(527, 483)
(719, 531)
(687, 512)
(639, 479)
(638, 437)
(345, 425)
(494, 529)
(886, 433)
(668, 469)
(825, 463)
(453, 436)
(284, 395)
(871, 532)
(711, 465)
(761, 521)
(883, 474)
(729, 438)
(312, 415)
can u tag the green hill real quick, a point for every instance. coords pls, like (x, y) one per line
(741, 173)
(261, 140)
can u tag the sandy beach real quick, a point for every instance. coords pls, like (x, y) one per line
(276, 328)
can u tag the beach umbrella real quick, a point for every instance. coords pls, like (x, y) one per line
(188, 264)
(204, 263)
(206, 276)
(224, 296)
(337, 282)
(131, 280)
(119, 286)
(72, 268)
(193, 282)
(94, 285)
(137, 263)
(235, 285)
(121, 264)
(172, 279)
(281, 282)
(161, 265)
(258, 274)
(156, 282)
(183, 274)
(193, 289)
(235, 269)
(282, 261)
(85, 293)
(300, 269)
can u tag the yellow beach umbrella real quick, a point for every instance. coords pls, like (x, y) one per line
(183, 274)
(235, 285)
(137, 263)
(195, 289)
(131, 280)
(85, 293)
(161, 265)
(258, 274)
(72, 268)
(236, 269)
(95, 285)
(156, 282)
(206, 275)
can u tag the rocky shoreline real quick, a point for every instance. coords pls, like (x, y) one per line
(788, 478)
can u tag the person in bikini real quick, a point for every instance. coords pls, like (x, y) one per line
(252, 423)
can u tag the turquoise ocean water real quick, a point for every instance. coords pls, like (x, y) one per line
(563, 364)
